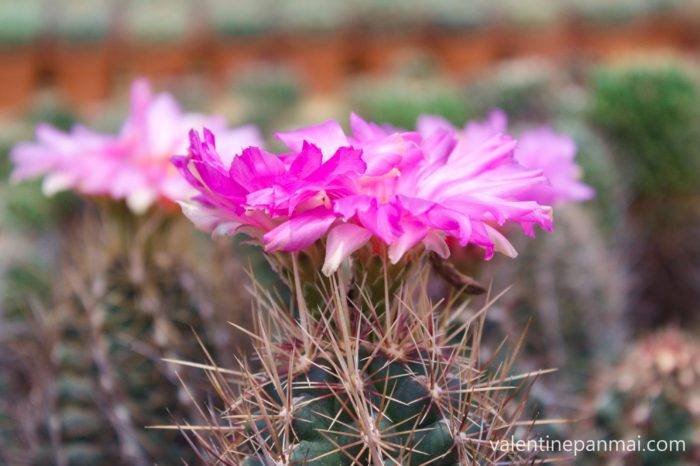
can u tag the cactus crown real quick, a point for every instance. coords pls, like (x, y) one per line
(356, 381)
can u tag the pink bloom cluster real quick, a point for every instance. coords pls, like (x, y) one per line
(135, 163)
(378, 185)
(539, 148)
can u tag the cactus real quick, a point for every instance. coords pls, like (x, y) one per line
(129, 299)
(652, 393)
(363, 368)
(650, 115)
(267, 95)
(349, 382)
(522, 88)
(401, 100)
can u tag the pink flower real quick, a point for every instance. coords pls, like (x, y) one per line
(286, 199)
(381, 184)
(540, 148)
(134, 164)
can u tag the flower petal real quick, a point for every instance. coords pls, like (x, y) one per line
(327, 136)
(299, 232)
(342, 241)
(435, 242)
(501, 243)
(413, 233)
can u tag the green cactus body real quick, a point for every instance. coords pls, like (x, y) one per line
(325, 432)
(343, 386)
(116, 317)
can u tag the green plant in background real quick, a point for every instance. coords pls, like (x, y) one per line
(650, 114)
(651, 393)
(521, 88)
(401, 100)
(21, 21)
(92, 361)
(130, 300)
(267, 95)
(619, 11)
(244, 18)
(158, 20)
(78, 22)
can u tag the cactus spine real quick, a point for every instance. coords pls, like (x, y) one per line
(361, 379)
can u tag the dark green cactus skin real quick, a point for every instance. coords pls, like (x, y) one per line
(667, 421)
(409, 418)
(87, 434)
(83, 411)
(650, 395)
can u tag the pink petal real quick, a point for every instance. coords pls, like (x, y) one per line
(299, 232)
(501, 243)
(342, 241)
(413, 233)
(256, 169)
(383, 220)
(327, 136)
(306, 162)
(204, 218)
(163, 131)
(428, 124)
(435, 241)
(477, 132)
(385, 154)
(232, 142)
(364, 131)
(345, 161)
(348, 206)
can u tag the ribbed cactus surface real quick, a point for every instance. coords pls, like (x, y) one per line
(354, 384)
(122, 310)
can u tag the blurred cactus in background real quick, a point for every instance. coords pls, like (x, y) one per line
(118, 295)
(651, 115)
(400, 100)
(521, 88)
(654, 393)
(28, 229)
(132, 295)
(266, 95)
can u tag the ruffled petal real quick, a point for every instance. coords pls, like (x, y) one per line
(342, 241)
(327, 136)
(299, 232)
(435, 241)
(412, 234)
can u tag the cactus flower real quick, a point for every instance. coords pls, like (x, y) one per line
(135, 163)
(538, 148)
(399, 188)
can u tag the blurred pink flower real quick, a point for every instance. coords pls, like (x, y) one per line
(134, 164)
(539, 148)
(398, 187)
